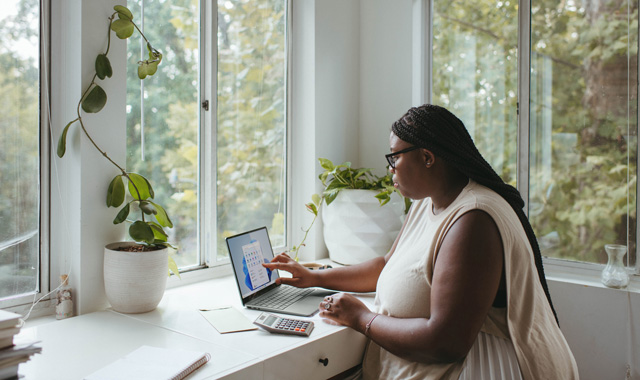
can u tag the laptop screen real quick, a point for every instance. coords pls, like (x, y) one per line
(248, 251)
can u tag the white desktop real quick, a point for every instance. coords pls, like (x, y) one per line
(76, 347)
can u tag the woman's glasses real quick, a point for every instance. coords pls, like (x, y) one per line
(393, 157)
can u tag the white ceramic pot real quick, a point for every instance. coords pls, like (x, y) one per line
(134, 281)
(356, 228)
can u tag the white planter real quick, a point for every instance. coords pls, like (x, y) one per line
(357, 228)
(134, 281)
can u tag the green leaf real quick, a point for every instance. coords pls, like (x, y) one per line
(142, 232)
(316, 199)
(123, 12)
(147, 68)
(158, 231)
(136, 181)
(147, 208)
(95, 101)
(115, 194)
(62, 142)
(122, 215)
(326, 164)
(103, 66)
(312, 208)
(173, 267)
(162, 216)
(123, 27)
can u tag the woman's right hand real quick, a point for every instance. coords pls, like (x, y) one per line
(301, 277)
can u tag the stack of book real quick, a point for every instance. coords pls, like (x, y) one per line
(12, 355)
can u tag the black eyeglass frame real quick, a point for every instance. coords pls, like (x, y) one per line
(391, 157)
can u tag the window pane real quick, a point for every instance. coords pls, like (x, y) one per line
(475, 74)
(19, 148)
(251, 129)
(583, 126)
(162, 116)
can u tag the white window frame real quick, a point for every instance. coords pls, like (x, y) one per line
(565, 269)
(23, 303)
(210, 265)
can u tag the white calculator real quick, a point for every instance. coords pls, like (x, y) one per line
(280, 325)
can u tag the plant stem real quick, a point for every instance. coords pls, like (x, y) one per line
(79, 119)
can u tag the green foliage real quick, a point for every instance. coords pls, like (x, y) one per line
(143, 230)
(336, 178)
(582, 187)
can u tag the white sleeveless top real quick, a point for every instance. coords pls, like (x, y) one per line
(525, 330)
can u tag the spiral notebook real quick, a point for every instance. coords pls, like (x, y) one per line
(153, 363)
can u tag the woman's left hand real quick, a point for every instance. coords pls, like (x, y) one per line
(344, 309)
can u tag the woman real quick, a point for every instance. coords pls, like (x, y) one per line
(461, 294)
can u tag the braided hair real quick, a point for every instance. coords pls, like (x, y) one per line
(435, 128)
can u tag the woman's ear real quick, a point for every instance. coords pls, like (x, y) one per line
(429, 157)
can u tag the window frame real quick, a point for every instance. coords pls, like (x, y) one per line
(558, 267)
(210, 266)
(23, 303)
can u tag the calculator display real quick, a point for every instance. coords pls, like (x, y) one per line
(270, 320)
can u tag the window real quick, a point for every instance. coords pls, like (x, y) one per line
(579, 117)
(475, 75)
(583, 126)
(251, 119)
(167, 137)
(19, 149)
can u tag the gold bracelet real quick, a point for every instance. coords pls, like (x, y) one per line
(368, 325)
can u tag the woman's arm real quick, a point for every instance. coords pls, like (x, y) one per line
(465, 281)
(355, 278)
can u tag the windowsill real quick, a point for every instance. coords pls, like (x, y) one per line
(584, 274)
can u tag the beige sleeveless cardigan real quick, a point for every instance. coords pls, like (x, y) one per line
(403, 291)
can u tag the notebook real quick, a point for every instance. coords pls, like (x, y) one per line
(257, 284)
(9, 319)
(153, 363)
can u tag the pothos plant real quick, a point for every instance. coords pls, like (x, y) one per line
(336, 178)
(149, 233)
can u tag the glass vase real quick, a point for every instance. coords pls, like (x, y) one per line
(614, 274)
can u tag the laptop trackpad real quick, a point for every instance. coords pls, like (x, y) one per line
(308, 305)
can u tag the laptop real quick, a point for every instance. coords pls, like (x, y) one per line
(257, 284)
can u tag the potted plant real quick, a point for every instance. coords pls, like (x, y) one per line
(356, 226)
(135, 272)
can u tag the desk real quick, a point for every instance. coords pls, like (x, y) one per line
(75, 347)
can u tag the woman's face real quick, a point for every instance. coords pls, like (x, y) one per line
(410, 173)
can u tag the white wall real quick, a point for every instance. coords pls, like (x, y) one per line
(80, 224)
(385, 75)
(601, 325)
(325, 103)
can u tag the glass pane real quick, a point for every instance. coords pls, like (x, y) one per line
(583, 126)
(251, 129)
(475, 74)
(19, 148)
(163, 116)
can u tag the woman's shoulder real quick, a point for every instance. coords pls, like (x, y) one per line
(483, 196)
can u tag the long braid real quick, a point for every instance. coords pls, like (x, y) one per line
(435, 128)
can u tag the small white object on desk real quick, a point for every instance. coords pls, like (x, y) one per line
(227, 319)
(154, 364)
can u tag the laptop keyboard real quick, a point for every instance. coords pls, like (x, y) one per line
(281, 298)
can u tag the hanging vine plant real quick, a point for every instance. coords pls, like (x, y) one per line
(149, 228)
